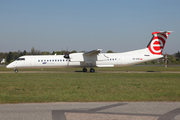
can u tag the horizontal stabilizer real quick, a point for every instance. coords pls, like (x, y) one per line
(162, 32)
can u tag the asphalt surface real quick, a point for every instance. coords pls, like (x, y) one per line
(91, 111)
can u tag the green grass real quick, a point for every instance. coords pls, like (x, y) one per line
(88, 87)
(127, 68)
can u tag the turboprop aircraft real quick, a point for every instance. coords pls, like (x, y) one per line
(95, 58)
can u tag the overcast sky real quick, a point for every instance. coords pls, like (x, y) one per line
(117, 25)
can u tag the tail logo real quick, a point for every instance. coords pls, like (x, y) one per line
(157, 43)
(156, 46)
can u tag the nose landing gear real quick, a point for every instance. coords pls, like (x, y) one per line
(15, 70)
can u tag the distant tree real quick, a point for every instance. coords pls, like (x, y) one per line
(21, 54)
(3, 55)
(74, 51)
(24, 52)
(109, 51)
(18, 52)
(45, 53)
(53, 53)
(35, 52)
(171, 59)
(153, 62)
(63, 52)
(177, 54)
(15, 57)
(57, 53)
(9, 57)
(32, 51)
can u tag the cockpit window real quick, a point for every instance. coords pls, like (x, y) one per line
(21, 59)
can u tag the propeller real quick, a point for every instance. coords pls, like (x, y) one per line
(66, 54)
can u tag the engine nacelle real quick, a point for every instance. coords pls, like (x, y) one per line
(76, 57)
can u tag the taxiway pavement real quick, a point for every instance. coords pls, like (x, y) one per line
(91, 111)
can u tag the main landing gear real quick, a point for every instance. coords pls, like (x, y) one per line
(92, 70)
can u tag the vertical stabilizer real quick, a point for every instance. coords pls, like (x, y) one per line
(157, 43)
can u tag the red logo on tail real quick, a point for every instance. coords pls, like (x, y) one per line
(157, 44)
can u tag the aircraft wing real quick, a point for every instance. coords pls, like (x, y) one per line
(93, 52)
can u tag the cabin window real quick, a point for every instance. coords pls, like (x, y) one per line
(47, 60)
(41, 60)
(38, 60)
(53, 60)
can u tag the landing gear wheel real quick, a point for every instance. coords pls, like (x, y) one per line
(15, 70)
(92, 70)
(84, 70)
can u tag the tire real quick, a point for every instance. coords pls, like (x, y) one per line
(84, 70)
(15, 70)
(92, 70)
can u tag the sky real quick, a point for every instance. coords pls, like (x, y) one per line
(84, 25)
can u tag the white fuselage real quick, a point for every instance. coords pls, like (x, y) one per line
(96, 59)
(81, 60)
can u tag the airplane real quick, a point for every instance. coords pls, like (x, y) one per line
(95, 58)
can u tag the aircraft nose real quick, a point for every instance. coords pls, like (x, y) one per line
(10, 65)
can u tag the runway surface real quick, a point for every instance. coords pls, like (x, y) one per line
(91, 111)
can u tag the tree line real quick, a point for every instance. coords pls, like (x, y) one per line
(11, 56)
